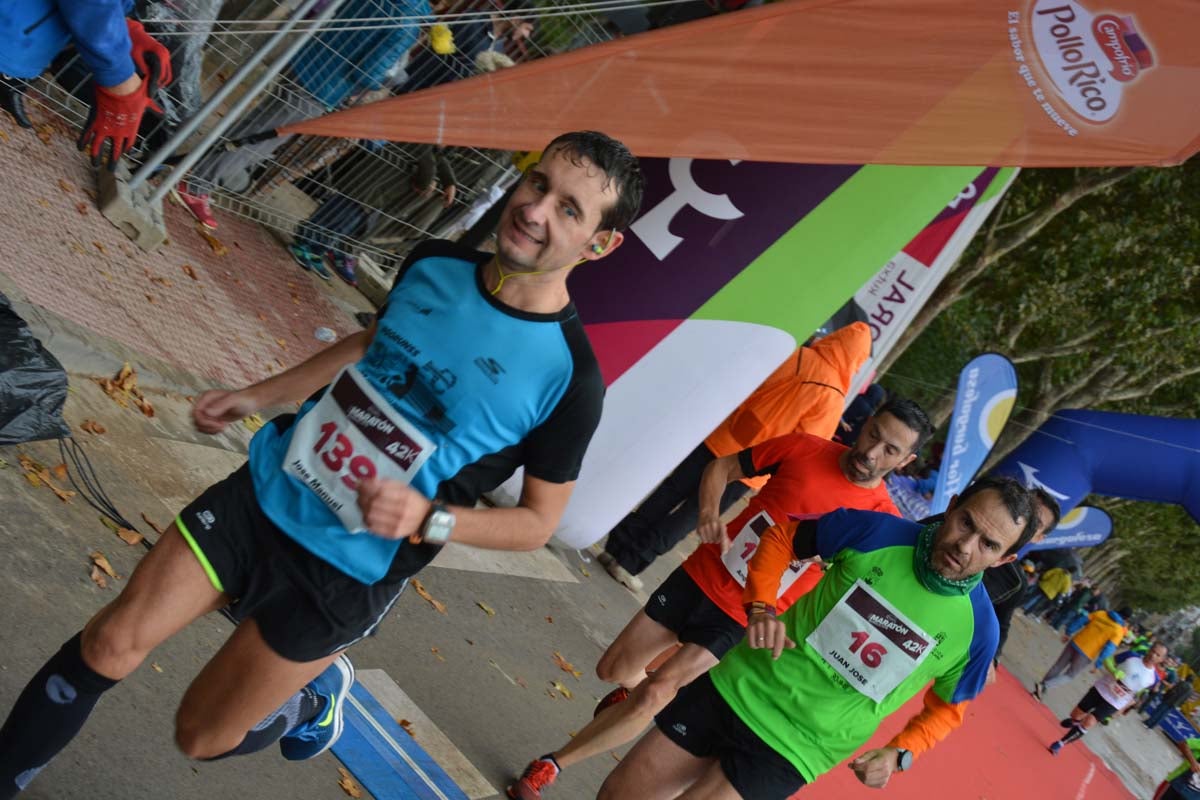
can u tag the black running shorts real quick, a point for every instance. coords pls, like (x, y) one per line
(702, 723)
(1097, 706)
(682, 607)
(305, 607)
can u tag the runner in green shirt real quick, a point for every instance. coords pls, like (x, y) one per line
(1184, 781)
(901, 604)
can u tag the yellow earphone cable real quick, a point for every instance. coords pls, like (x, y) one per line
(505, 276)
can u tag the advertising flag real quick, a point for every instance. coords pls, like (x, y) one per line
(987, 390)
(1025, 83)
(1083, 526)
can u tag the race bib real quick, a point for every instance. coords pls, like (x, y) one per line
(869, 643)
(351, 434)
(1114, 691)
(737, 558)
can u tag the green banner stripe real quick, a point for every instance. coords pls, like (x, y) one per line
(801, 279)
(999, 183)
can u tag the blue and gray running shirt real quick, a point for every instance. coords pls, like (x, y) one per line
(490, 386)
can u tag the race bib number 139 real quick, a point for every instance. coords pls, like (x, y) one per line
(350, 435)
(869, 642)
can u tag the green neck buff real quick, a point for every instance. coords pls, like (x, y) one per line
(928, 576)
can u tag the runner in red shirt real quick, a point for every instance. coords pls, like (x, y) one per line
(699, 607)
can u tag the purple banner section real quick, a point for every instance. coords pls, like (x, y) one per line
(702, 223)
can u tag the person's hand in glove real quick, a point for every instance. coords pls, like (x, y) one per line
(12, 99)
(114, 118)
(144, 44)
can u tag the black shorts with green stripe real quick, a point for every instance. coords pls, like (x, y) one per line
(305, 608)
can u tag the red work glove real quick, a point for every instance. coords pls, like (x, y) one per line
(115, 119)
(144, 44)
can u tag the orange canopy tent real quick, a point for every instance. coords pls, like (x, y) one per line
(948, 82)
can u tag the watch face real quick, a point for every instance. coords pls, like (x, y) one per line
(906, 758)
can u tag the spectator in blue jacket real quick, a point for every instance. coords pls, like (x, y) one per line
(116, 49)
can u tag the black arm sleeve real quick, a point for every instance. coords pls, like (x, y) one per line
(804, 540)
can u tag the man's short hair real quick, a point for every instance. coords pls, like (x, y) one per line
(913, 417)
(1126, 612)
(1016, 499)
(621, 166)
(1048, 500)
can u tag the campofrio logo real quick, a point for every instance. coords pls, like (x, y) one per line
(1091, 59)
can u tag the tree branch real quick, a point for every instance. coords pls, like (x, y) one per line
(1070, 347)
(1148, 389)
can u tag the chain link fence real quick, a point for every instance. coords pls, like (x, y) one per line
(341, 197)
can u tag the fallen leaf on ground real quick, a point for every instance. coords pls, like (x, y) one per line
(150, 298)
(420, 589)
(262, 317)
(150, 522)
(3, 464)
(616, 757)
(99, 247)
(348, 784)
(403, 723)
(254, 422)
(65, 186)
(491, 612)
(564, 690)
(44, 132)
(191, 273)
(82, 208)
(521, 682)
(566, 666)
(156, 667)
(3, 136)
(98, 577)
(91, 426)
(550, 620)
(38, 475)
(100, 561)
(43, 202)
(281, 343)
(130, 536)
(586, 574)
(437, 653)
(161, 281)
(124, 390)
(60, 472)
(218, 247)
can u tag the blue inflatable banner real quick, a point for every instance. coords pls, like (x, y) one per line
(1077, 452)
(1084, 526)
(987, 390)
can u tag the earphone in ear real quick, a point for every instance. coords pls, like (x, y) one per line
(599, 249)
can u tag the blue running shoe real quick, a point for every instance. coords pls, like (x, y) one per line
(309, 261)
(1054, 748)
(311, 738)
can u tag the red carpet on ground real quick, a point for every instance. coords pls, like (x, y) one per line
(998, 754)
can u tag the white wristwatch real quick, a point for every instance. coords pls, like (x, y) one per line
(438, 525)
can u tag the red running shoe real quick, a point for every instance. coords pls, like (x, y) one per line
(617, 695)
(197, 204)
(537, 776)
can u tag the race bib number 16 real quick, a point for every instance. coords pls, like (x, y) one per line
(870, 643)
(350, 435)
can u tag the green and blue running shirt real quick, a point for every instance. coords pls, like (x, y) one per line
(868, 638)
(488, 387)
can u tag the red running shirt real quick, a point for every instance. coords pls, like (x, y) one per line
(805, 479)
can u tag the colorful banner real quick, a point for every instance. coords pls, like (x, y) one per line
(891, 299)
(714, 287)
(1028, 83)
(1083, 526)
(1076, 452)
(987, 390)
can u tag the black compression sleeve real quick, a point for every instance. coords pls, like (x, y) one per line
(804, 541)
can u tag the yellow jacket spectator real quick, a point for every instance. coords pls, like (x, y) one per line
(1054, 582)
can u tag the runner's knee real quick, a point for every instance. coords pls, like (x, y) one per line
(613, 667)
(110, 645)
(654, 694)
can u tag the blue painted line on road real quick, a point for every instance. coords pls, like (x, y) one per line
(385, 759)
